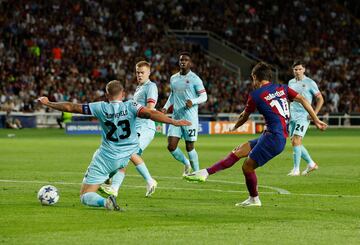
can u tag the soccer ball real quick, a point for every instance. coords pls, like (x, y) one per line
(48, 195)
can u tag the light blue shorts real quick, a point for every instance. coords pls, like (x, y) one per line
(100, 168)
(188, 133)
(298, 127)
(146, 135)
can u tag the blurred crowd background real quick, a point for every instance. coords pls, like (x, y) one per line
(69, 50)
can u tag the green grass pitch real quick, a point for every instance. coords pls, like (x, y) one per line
(322, 208)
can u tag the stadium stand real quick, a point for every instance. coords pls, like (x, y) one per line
(69, 50)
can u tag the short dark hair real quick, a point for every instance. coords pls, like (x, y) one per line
(298, 63)
(185, 53)
(114, 87)
(262, 71)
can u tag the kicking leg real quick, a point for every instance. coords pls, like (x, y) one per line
(234, 156)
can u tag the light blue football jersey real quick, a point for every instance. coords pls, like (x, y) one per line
(307, 88)
(117, 120)
(183, 88)
(145, 93)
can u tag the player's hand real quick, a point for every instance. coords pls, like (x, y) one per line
(321, 125)
(163, 110)
(181, 123)
(189, 104)
(43, 100)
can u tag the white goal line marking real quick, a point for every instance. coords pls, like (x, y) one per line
(188, 189)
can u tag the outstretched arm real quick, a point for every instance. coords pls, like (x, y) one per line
(319, 124)
(244, 116)
(62, 106)
(161, 117)
(319, 103)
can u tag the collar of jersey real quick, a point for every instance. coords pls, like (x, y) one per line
(185, 74)
(300, 80)
(115, 101)
(267, 84)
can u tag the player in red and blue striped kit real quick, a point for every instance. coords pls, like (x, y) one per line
(271, 100)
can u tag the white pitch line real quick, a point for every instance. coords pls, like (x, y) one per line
(128, 186)
(185, 189)
(279, 190)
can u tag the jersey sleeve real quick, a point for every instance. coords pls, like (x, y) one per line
(199, 86)
(86, 109)
(152, 95)
(250, 105)
(135, 107)
(291, 93)
(94, 109)
(314, 89)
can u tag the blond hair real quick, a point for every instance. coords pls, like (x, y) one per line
(114, 88)
(142, 63)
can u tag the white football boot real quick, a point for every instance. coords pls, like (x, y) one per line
(150, 188)
(294, 172)
(250, 202)
(310, 169)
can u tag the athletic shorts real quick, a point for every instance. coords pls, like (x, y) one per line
(188, 133)
(298, 127)
(146, 135)
(266, 147)
(101, 166)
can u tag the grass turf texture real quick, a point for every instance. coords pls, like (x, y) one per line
(323, 208)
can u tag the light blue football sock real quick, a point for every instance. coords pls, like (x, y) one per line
(179, 155)
(297, 156)
(117, 180)
(144, 172)
(92, 199)
(306, 156)
(194, 160)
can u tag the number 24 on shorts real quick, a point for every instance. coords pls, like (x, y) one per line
(299, 128)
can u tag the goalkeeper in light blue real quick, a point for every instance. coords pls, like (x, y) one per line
(119, 138)
(146, 94)
(299, 118)
(187, 92)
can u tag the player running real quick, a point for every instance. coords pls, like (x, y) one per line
(299, 121)
(119, 138)
(271, 100)
(187, 92)
(146, 94)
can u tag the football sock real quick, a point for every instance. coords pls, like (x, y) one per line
(297, 156)
(179, 155)
(227, 162)
(117, 180)
(92, 199)
(144, 172)
(306, 156)
(251, 183)
(194, 159)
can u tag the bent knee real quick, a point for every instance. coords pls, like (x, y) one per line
(171, 148)
(242, 150)
(296, 140)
